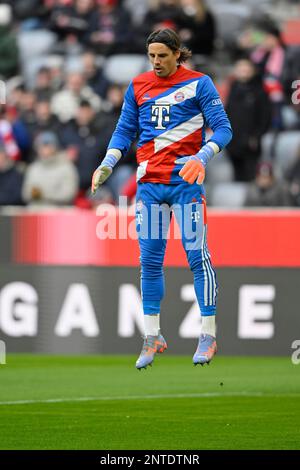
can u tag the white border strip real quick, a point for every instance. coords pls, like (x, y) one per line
(187, 91)
(183, 130)
(150, 397)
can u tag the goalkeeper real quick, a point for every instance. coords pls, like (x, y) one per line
(169, 108)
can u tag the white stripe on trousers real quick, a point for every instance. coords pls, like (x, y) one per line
(203, 267)
(213, 274)
(210, 291)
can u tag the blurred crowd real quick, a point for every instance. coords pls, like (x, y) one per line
(61, 94)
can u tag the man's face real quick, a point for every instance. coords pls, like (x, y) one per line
(75, 82)
(46, 151)
(43, 79)
(244, 70)
(163, 59)
(264, 181)
(89, 63)
(28, 101)
(270, 42)
(42, 110)
(83, 6)
(85, 115)
(115, 96)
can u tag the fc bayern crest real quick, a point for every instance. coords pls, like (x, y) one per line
(179, 96)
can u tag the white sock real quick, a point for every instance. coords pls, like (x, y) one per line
(208, 326)
(151, 324)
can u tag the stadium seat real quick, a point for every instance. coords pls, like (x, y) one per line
(231, 195)
(33, 45)
(291, 70)
(73, 64)
(286, 150)
(290, 118)
(219, 170)
(257, 3)
(137, 10)
(121, 68)
(230, 19)
(267, 142)
(29, 73)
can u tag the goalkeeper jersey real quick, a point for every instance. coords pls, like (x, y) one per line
(169, 115)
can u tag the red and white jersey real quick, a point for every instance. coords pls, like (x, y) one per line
(169, 115)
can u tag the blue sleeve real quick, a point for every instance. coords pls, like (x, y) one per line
(21, 135)
(127, 126)
(213, 112)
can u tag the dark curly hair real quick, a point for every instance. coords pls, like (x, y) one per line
(171, 39)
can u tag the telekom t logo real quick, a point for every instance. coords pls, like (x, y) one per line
(160, 114)
(195, 216)
(139, 218)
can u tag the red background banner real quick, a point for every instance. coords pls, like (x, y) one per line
(263, 238)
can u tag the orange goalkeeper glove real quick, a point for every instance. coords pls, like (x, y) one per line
(193, 169)
(194, 165)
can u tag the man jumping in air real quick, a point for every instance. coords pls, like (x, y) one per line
(169, 108)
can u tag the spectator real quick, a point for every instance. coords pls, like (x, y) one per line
(44, 121)
(55, 64)
(82, 139)
(293, 177)
(111, 29)
(8, 138)
(247, 40)
(27, 107)
(51, 179)
(291, 70)
(266, 191)
(60, 18)
(93, 74)
(162, 14)
(269, 57)
(11, 180)
(72, 21)
(42, 87)
(138, 10)
(65, 103)
(31, 13)
(197, 27)
(20, 135)
(9, 62)
(127, 164)
(248, 109)
(15, 93)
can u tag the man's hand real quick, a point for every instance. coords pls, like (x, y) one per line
(193, 169)
(105, 169)
(99, 176)
(194, 165)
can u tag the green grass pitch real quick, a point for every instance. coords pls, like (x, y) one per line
(103, 402)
